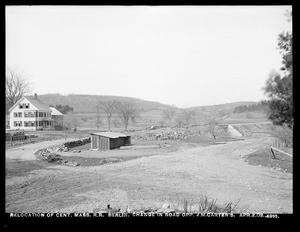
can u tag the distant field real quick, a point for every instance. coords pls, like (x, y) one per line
(154, 116)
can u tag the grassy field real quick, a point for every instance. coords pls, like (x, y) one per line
(23, 167)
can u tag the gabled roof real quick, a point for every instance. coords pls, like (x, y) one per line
(37, 103)
(11, 108)
(112, 135)
(34, 101)
(54, 111)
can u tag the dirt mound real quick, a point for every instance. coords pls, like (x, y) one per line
(249, 129)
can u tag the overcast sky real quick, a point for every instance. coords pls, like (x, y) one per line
(181, 55)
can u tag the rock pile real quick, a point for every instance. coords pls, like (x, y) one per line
(170, 135)
(61, 148)
(51, 157)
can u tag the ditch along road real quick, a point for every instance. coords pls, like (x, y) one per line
(217, 171)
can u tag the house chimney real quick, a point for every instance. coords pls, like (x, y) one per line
(35, 95)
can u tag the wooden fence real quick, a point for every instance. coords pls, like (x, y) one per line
(278, 146)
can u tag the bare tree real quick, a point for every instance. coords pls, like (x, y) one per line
(179, 119)
(127, 110)
(188, 116)
(161, 122)
(169, 114)
(97, 122)
(16, 86)
(136, 116)
(109, 108)
(72, 121)
(115, 122)
(213, 127)
(98, 116)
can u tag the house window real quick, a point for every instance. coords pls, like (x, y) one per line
(36, 114)
(17, 123)
(29, 124)
(45, 114)
(21, 106)
(15, 115)
(27, 105)
(26, 115)
(40, 114)
(20, 114)
(31, 114)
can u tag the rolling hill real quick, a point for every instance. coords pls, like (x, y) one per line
(86, 103)
(84, 107)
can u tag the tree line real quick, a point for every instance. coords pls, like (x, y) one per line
(263, 105)
(126, 111)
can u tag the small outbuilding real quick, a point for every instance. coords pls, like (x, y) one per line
(108, 140)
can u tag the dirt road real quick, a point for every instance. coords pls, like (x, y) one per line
(217, 171)
(26, 152)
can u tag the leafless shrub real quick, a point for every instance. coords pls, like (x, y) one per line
(212, 127)
(72, 121)
(284, 134)
(169, 114)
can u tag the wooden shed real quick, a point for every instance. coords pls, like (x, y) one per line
(108, 140)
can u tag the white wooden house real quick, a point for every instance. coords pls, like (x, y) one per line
(29, 113)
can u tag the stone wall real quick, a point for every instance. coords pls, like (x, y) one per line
(77, 143)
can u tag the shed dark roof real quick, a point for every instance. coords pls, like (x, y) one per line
(112, 135)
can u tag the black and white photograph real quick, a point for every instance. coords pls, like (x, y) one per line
(143, 110)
